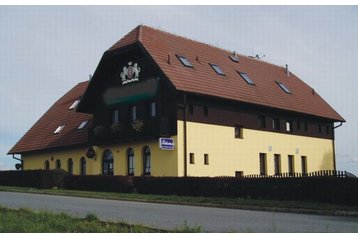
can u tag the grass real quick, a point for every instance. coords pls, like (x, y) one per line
(27, 221)
(240, 203)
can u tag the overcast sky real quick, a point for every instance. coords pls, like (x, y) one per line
(45, 51)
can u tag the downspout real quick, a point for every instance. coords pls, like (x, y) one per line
(185, 138)
(334, 146)
(13, 156)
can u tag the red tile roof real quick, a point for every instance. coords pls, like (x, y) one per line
(203, 79)
(41, 136)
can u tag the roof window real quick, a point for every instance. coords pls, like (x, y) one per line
(217, 69)
(234, 58)
(246, 78)
(83, 124)
(283, 87)
(74, 105)
(184, 60)
(59, 129)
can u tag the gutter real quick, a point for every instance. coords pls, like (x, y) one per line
(185, 138)
(22, 162)
(334, 146)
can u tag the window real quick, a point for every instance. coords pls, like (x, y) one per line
(70, 166)
(234, 58)
(191, 109)
(304, 165)
(246, 77)
(289, 126)
(263, 164)
(276, 124)
(205, 111)
(152, 109)
(291, 165)
(58, 164)
(75, 104)
(277, 163)
(184, 60)
(319, 129)
(146, 161)
(238, 132)
(115, 116)
(306, 126)
(130, 161)
(133, 113)
(83, 166)
(328, 129)
(47, 165)
(298, 125)
(206, 159)
(83, 124)
(59, 129)
(262, 121)
(217, 69)
(239, 174)
(191, 158)
(283, 87)
(107, 163)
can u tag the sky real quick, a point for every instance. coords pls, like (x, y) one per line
(46, 50)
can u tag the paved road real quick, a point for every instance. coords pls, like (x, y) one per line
(170, 216)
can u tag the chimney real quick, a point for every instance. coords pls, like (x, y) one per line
(169, 58)
(287, 71)
(313, 92)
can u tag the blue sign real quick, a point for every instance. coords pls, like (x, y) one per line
(166, 143)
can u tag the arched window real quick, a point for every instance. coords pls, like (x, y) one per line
(70, 166)
(107, 163)
(83, 166)
(130, 161)
(146, 161)
(58, 164)
(47, 165)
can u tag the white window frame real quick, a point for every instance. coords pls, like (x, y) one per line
(59, 129)
(82, 125)
(75, 104)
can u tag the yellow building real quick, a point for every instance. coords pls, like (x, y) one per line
(163, 105)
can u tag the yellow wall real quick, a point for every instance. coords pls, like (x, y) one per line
(163, 162)
(228, 154)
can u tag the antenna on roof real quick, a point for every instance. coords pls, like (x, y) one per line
(287, 71)
(260, 56)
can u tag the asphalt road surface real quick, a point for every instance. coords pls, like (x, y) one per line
(171, 216)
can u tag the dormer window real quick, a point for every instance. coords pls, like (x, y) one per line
(82, 125)
(246, 77)
(184, 60)
(59, 129)
(217, 69)
(283, 87)
(75, 104)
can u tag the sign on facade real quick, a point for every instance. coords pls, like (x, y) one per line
(166, 143)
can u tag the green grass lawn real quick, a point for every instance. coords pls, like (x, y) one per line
(241, 203)
(26, 221)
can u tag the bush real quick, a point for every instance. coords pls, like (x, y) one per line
(33, 178)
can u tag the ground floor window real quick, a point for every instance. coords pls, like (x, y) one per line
(304, 165)
(70, 166)
(291, 165)
(146, 160)
(277, 163)
(47, 165)
(263, 164)
(58, 164)
(130, 161)
(107, 163)
(83, 166)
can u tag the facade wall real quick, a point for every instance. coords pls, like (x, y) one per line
(163, 162)
(228, 154)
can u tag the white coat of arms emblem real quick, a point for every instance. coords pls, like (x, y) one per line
(130, 74)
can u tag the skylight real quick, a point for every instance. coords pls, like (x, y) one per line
(59, 129)
(184, 60)
(283, 87)
(234, 58)
(246, 78)
(217, 69)
(74, 105)
(83, 124)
